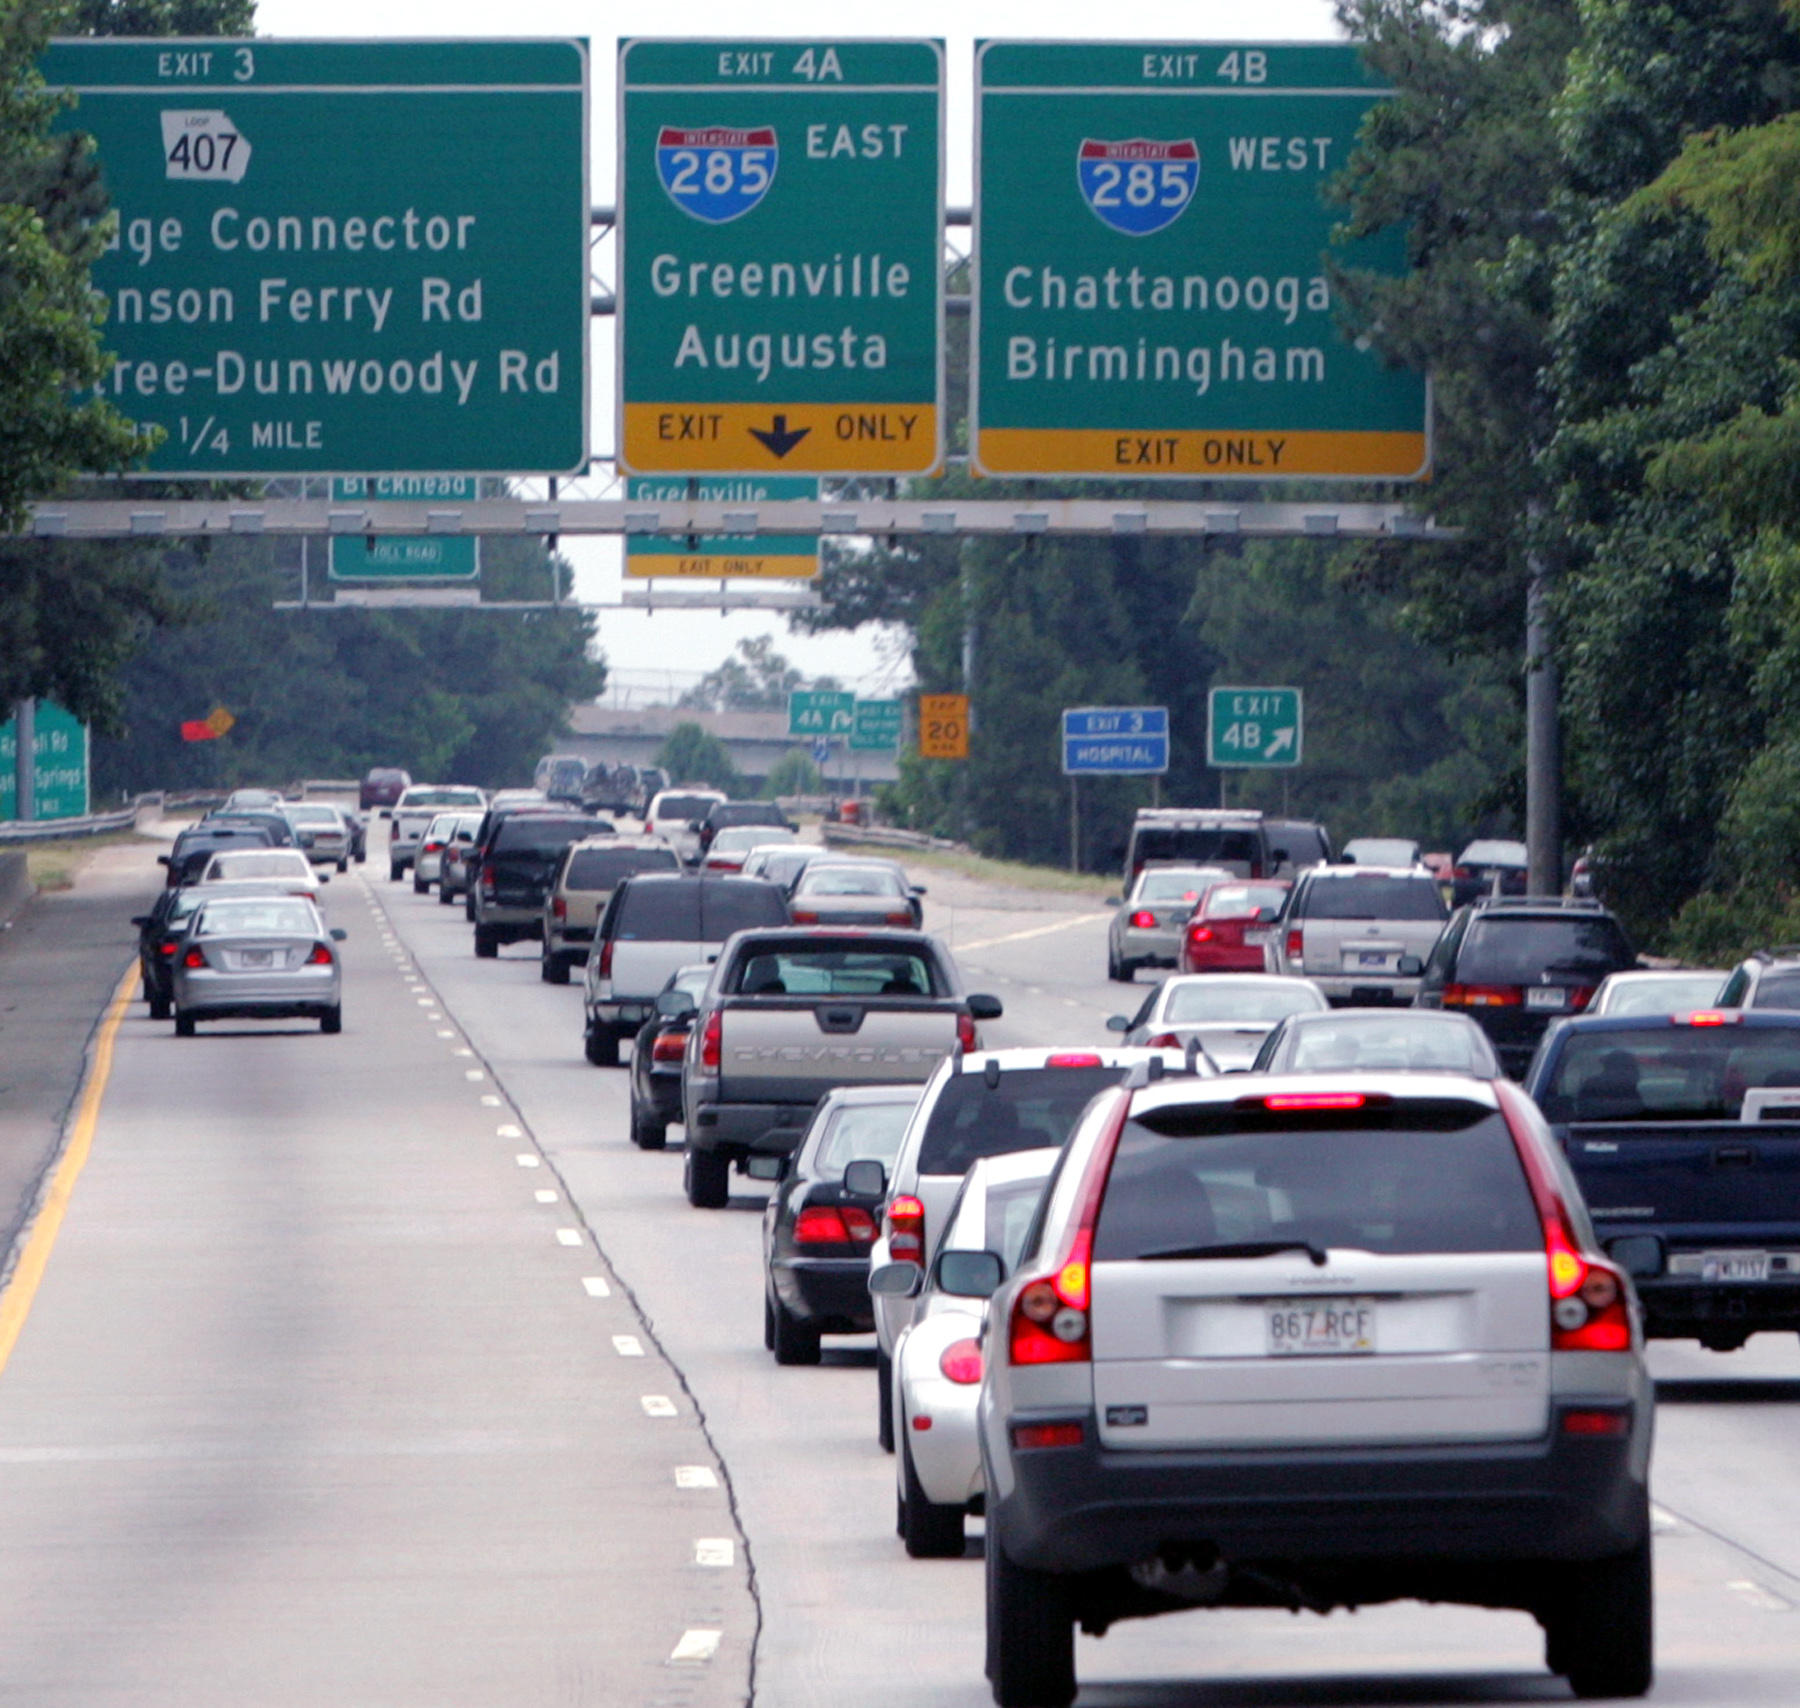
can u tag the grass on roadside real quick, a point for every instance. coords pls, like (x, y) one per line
(53, 865)
(1013, 872)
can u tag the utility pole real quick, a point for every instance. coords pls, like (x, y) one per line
(1543, 757)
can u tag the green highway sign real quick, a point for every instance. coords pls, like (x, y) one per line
(400, 557)
(780, 274)
(1256, 729)
(821, 712)
(1152, 300)
(770, 556)
(63, 774)
(876, 727)
(343, 257)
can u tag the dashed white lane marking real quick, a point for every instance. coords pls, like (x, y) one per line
(461, 1049)
(472, 1074)
(596, 1286)
(695, 1648)
(509, 1131)
(525, 1159)
(715, 1551)
(696, 1477)
(660, 1405)
(1070, 1002)
(427, 1002)
(1661, 1521)
(489, 1100)
(628, 1346)
(1759, 1596)
(1036, 931)
(568, 1236)
(546, 1195)
(446, 1034)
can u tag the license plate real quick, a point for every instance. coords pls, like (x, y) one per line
(1320, 1328)
(257, 957)
(1371, 960)
(1546, 996)
(1734, 1266)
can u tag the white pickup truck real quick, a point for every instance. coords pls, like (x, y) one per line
(415, 809)
(792, 1013)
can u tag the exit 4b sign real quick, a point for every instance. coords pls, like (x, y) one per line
(780, 257)
(1253, 728)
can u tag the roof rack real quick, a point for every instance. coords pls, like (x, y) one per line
(1567, 904)
(1776, 952)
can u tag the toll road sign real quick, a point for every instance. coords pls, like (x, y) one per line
(1256, 729)
(1152, 299)
(338, 257)
(821, 712)
(63, 775)
(943, 726)
(1115, 741)
(877, 727)
(793, 557)
(405, 557)
(780, 276)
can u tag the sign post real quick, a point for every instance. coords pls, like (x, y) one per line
(780, 274)
(420, 557)
(58, 763)
(1152, 299)
(792, 557)
(1253, 729)
(343, 256)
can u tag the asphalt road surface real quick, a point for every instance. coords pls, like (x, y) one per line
(381, 1371)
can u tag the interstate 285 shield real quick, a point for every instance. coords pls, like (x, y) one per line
(717, 173)
(1138, 186)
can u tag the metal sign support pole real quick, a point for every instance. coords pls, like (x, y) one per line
(1074, 824)
(25, 760)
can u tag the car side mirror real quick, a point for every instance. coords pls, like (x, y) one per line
(969, 1274)
(896, 1280)
(919, 889)
(1411, 966)
(1280, 856)
(140, 920)
(675, 1005)
(766, 1167)
(1117, 1023)
(986, 1008)
(1115, 901)
(866, 1177)
(163, 860)
(338, 934)
(693, 824)
(1267, 915)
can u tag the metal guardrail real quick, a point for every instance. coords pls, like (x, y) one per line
(885, 836)
(15, 833)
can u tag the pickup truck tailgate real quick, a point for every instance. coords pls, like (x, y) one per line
(1691, 1179)
(782, 1050)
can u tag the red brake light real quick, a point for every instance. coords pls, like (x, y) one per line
(860, 1223)
(1580, 996)
(193, 958)
(1074, 1058)
(669, 1047)
(961, 1362)
(606, 950)
(1163, 1041)
(820, 1224)
(906, 1229)
(805, 916)
(966, 1035)
(1200, 934)
(168, 949)
(711, 1042)
(432, 848)
(487, 875)
(1707, 1017)
(559, 907)
(1026, 1435)
(1483, 996)
(320, 956)
(1296, 944)
(903, 917)
(1143, 920)
(1289, 1100)
(1617, 1422)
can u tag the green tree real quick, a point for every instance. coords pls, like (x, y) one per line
(755, 678)
(692, 755)
(794, 773)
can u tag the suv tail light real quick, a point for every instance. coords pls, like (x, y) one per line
(960, 1362)
(1050, 1313)
(1708, 1017)
(967, 1037)
(1484, 996)
(834, 1224)
(902, 917)
(906, 1229)
(431, 848)
(1296, 945)
(320, 956)
(606, 950)
(1590, 1309)
(559, 907)
(487, 877)
(669, 1047)
(805, 916)
(711, 1042)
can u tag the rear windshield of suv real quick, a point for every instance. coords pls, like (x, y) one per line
(541, 833)
(1201, 847)
(1521, 949)
(829, 969)
(1664, 1072)
(1778, 991)
(1374, 897)
(602, 868)
(684, 807)
(696, 911)
(1413, 1176)
(1026, 1109)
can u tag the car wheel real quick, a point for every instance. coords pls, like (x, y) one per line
(395, 871)
(602, 1047)
(421, 886)
(709, 1181)
(343, 866)
(884, 1400)
(469, 908)
(362, 856)
(331, 1021)
(445, 895)
(553, 969)
(796, 1342)
(487, 945)
(647, 1133)
(159, 1007)
(184, 1025)
(1030, 1633)
(930, 1531)
(768, 1321)
(1600, 1633)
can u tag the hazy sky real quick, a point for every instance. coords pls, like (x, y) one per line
(688, 642)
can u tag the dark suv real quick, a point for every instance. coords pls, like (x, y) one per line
(383, 786)
(724, 813)
(1769, 979)
(1514, 966)
(511, 875)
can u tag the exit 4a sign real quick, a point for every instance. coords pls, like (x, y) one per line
(1253, 728)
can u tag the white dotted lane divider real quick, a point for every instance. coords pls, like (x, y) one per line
(509, 1131)
(473, 1074)
(695, 1648)
(489, 1101)
(446, 1034)
(568, 1236)
(525, 1159)
(547, 1195)
(657, 1405)
(696, 1477)
(628, 1346)
(717, 1552)
(596, 1286)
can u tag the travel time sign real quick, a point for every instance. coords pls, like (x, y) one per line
(780, 275)
(1153, 301)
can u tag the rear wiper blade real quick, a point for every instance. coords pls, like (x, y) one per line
(1245, 1248)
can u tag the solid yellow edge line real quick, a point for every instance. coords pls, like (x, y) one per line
(21, 1288)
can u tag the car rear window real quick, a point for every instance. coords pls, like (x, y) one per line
(447, 797)
(1172, 886)
(659, 913)
(1240, 901)
(1782, 991)
(1665, 1072)
(1024, 1109)
(542, 833)
(1413, 1175)
(828, 968)
(863, 1132)
(1229, 1002)
(848, 881)
(602, 868)
(1520, 950)
(1407, 1043)
(274, 863)
(244, 918)
(1374, 897)
(730, 907)
(683, 806)
(1203, 847)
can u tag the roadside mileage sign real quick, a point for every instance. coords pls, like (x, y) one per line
(780, 277)
(355, 257)
(1152, 298)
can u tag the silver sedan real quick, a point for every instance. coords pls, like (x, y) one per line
(257, 958)
(1227, 1014)
(863, 894)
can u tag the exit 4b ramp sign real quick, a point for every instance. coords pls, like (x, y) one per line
(780, 257)
(1255, 729)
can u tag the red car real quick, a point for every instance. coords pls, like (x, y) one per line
(382, 787)
(1229, 926)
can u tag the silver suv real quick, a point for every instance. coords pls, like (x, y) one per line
(1360, 933)
(1314, 1342)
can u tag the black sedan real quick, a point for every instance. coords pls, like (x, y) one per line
(157, 931)
(816, 1232)
(656, 1055)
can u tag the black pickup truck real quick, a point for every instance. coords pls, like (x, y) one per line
(1684, 1132)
